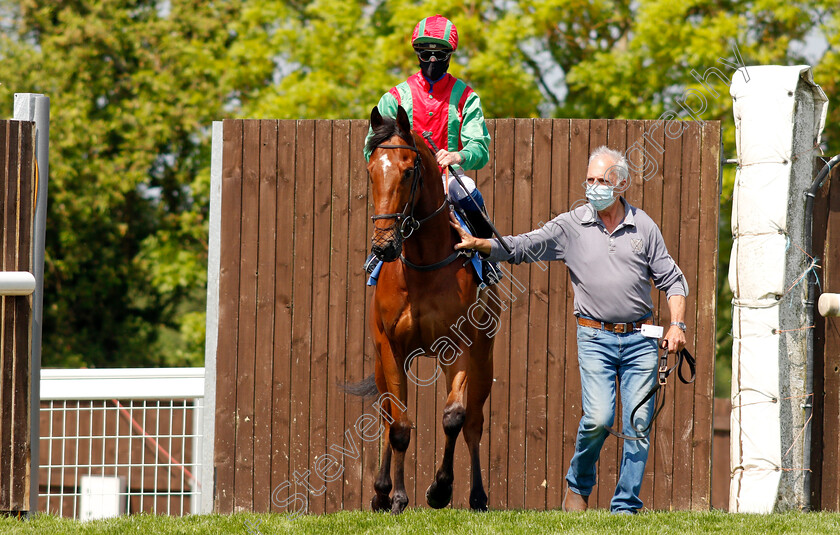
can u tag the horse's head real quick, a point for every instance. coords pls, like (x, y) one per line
(396, 178)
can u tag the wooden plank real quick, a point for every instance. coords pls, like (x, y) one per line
(635, 158)
(6, 390)
(359, 236)
(6, 317)
(720, 462)
(688, 260)
(320, 311)
(372, 450)
(616, 139)
(265, 320)
(428, 440)
(23, 323)
(535, 417)
(246, 349)
(281, 472)
(228, 315)
(706, 309)
(338, 306)
(650, 495)
(7, 314)
(497, 487)
(819, 226)
(578, 163)
(830, 489)
(486, 184)
(558, 318)
(607, 467)
(299, 462)
(670, 226)
(519, 322)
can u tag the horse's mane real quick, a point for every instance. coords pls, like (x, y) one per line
(386, 131)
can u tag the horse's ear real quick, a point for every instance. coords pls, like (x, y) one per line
(375, 118)
(402, 121)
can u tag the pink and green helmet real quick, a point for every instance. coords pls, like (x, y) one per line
(435, 31)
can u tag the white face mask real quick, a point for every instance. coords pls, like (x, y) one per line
(600, 196)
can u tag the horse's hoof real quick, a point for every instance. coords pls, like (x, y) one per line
(398, 503)
(380, 502)
(438, 496)
(478, 501)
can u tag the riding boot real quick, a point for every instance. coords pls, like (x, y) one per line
(471, 205)
(371, 263)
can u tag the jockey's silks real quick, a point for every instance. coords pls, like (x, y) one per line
(449, 109)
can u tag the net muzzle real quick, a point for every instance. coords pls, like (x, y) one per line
(386, 243)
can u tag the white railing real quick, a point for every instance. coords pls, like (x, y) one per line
(121, 441)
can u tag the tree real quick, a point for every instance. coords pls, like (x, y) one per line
(135, 85)
(133, 90)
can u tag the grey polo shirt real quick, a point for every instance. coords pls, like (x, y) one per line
(611, 272)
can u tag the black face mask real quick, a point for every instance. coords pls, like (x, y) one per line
(434, 70)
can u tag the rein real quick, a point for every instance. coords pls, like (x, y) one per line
(683, 357)
(406, 220)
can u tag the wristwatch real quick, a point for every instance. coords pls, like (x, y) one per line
(680, 324)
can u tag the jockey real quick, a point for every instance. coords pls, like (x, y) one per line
(437, 102)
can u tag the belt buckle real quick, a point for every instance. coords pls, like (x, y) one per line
(619, 328)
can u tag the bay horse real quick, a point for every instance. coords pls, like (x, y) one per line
(422, 294)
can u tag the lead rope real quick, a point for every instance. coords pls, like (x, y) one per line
(662, 379)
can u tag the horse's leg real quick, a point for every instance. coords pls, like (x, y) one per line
(439, 493)
(381, 501)
(399, 436)
(481, 379)
(399, 430)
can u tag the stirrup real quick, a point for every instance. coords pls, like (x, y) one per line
(371, 263)
(492, 272)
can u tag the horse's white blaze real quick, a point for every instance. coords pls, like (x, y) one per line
(386, 163)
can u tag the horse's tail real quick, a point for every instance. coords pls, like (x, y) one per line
(364, 388)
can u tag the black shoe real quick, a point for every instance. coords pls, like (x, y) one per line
(371, 263)
(492, 272)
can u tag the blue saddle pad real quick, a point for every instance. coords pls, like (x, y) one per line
(476, 263)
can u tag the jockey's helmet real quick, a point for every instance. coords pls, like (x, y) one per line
(435, 32)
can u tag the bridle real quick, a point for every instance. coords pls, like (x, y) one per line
(405, 219)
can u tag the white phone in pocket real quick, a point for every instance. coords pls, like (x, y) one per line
(652, 331)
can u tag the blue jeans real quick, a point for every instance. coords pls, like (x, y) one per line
(603, 356)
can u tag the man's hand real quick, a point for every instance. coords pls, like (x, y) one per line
(675, 338)
(468, 241)
(445, 158)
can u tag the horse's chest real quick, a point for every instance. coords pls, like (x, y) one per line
(419, 324)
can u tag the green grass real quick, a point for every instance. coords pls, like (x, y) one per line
(425, 521)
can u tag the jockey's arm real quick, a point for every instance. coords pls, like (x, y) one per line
(475, 138)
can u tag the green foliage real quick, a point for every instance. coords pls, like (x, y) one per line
(133, 91)
(135, 84)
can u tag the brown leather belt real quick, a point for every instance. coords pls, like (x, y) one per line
(619, 328)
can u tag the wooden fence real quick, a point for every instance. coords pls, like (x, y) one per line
(825, 456)
(17, 184)
(295, 230)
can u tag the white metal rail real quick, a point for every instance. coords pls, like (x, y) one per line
(141, 427)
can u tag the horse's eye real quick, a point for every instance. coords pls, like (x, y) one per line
(408, 173)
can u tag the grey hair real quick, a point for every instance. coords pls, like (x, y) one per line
(618, 159)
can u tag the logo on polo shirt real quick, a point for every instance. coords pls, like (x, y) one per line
(637, 245)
